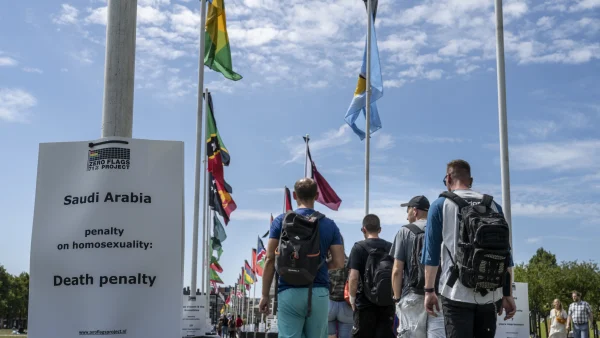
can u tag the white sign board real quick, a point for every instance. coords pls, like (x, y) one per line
(518, 326)
(194, 316)
(107, 240)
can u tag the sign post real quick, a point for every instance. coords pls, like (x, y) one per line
(107, 239)
(518, 326)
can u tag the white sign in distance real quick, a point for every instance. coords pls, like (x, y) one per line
(518, 326)
(107, 240)
(194, 316)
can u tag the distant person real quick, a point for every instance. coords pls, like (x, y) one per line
(340, 312)
(558, 319)
(580, 314)
(224, 327)
(408, 279)
(303, 293)
(239, 322)
(460, 220)
(371, 267)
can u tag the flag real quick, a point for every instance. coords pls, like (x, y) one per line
(374, 4)
(219, 235)
(358, 104)
(213, 285)
(228, 300)
(217, 53)
(214, 277)
(327, 195)
(220, 192)
(249, 276)
(214, 264)
(288, 200)
(219, 198)
(254, 265)
(214, 135)
(267, 233)
(261, 255)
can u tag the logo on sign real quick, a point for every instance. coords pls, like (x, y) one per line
(112, 158)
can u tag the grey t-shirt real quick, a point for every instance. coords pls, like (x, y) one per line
(402, 248)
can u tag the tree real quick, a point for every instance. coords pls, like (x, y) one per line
(5, 282)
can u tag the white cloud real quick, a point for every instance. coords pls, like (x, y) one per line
(460, 47)
(32, 70)
(67, 15)
(318, 84)
(331, 139)
(467, 69)
(393, 83)
(556, 156)
(542, 129)
(431, 139)
(14, 104)
(84, 56)
(150, 15)
(584, 5)
(545, 22)
(6, 61)
(383, 141)
(97, 16)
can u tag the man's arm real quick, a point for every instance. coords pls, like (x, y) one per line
(397, 274)
(337, 257)
(353, 286)
(269, 270)
(433, 242)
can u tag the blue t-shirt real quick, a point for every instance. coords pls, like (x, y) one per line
(330, 235)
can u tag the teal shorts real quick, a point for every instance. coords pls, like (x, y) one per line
(292, 306)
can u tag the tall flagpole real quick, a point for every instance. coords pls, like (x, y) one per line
(503, 124)
(119, 69)
(206, 213)
(368, 108)
(253, 305)
(198, 153)
(306, 139)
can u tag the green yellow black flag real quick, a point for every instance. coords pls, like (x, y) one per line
(217, 53)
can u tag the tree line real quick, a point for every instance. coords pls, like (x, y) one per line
(14, 299)
(548, 280)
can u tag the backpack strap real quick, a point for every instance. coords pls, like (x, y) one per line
(414, 229)
(455, 198)
(487, 201)
(318, 216)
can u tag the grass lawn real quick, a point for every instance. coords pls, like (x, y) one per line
(544, 330)
(9, 333)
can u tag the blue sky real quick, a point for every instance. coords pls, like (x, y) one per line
(300, 60)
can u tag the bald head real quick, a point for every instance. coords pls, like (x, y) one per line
(305, 190)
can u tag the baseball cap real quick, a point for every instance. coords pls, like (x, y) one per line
(419, 202)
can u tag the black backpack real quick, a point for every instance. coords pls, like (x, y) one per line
(377, 280)
(416, 276)
(483, 246)
(298, 256)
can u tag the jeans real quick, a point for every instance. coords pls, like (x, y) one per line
(340, 319)
(292, 310)
(469, 320)
(225, 331)
(581, 330)
(374, 322)
(414, 320)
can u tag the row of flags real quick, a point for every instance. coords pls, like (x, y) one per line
(217, 56)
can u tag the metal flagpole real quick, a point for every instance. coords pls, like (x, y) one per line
(368, 108)
(206, 214)
(253, 305)
(306, 138)
(503, 124)
(119, 69)
(198, 151)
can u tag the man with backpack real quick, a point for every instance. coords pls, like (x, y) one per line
(474, 239)
(408, 276)
(371, 266)
(298, 244)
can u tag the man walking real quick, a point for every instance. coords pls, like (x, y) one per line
(371, 265)
(408, 278)
(469, 306)
(302, 309)
(580, 314)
